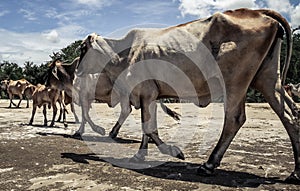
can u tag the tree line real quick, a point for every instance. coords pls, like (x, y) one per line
(35, 73)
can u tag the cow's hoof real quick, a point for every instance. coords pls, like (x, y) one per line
(203, 170)
(77, 135)
(173, 151)
(137, 158)
(113, 135)
(176, 152)
(99, 130)
(293, 179)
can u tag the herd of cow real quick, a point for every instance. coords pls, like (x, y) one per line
(226, 53)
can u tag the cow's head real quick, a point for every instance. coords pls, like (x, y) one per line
(61, 77)
(96, 53)
(4, 84)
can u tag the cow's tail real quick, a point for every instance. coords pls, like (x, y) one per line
(170, 112)
(289, 41)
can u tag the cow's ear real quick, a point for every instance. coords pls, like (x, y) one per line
(54, 72)
(88, 42)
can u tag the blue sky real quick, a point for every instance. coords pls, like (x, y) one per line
(32, 30)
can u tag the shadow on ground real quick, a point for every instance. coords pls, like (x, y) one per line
(183, 171)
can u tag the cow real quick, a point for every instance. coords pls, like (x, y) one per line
(99, 87)
(15, 87)
(62, 77)
(238, 49)
(31, 88)
(56, 72)
(44, 96)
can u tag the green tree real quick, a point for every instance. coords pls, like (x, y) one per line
(10, 70)
(67, 54)
(34, 73)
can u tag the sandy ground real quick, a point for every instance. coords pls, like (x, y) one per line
(48, 158)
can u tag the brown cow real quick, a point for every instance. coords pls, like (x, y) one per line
(43, 96)
(58, 71)
(227, 52)
(15, 88)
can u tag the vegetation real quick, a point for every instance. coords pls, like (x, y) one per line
(35, 73)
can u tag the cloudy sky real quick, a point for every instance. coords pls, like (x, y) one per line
(32, 30)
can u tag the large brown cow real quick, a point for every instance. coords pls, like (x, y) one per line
(15, 87)
(241, 46)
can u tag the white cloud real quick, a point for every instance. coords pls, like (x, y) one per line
(36, 47)
(52, 36)
(204, 8)
(279, 5)
(2, 13)
(95, 4)
(150, 8)
(295, 17)
(28, 14)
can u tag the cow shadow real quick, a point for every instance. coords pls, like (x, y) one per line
(183, 171)
(13, 107)
(91, 138)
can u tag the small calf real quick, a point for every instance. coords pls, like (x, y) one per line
(43, 96)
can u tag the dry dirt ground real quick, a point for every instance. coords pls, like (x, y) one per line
(48, 158)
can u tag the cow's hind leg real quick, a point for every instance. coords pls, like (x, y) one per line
(234, 118)
(45, 114)
(268, 82)
(276, 97)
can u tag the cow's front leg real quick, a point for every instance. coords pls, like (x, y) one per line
(54, 113)
(149, 126)
(143, 150)
(32, 114)
(21, 97)
(125, 111)
(60, 110)
(11, 100)
(74, 112)
(80, 131)
(27, 105)
(85, 106)
(45, 115)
